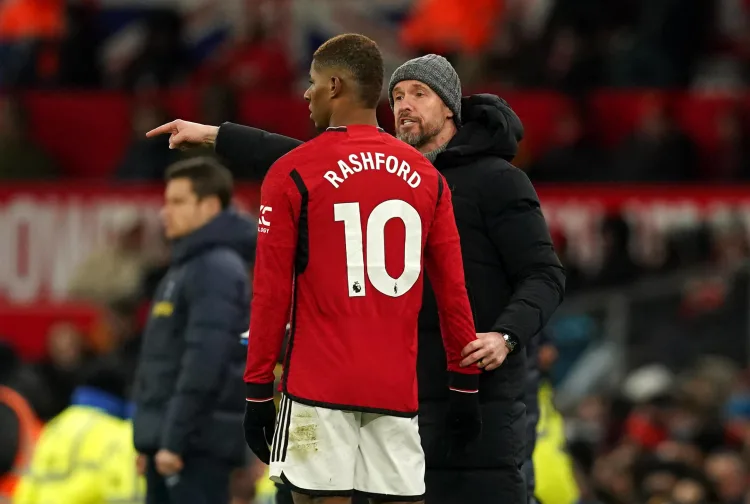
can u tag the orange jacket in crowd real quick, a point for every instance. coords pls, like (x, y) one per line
(31, 19)
(451, 25)
(29, 428)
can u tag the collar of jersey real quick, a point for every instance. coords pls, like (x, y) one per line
(343, 128)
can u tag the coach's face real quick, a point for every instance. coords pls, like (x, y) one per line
(318, 95)
(419, 112)
(183, 212)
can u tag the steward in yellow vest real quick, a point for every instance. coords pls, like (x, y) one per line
(85, 455)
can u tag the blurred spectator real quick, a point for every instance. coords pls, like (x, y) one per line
(570, 64)
(731, 161)
(691, 490)
(24, 379)
(86, 454)
(29, 30)
(8, 438)
(30, 19)
(552, 465)
(61, 369)
(218, 103)
(19, 423)
(20, 428)
(79, 50)
(451, 26)
(115, 272)
(662, 44)
(146, 159)
(730, 242)
(255, 60)
(617, 265)
(20, 157)
(658, 151)
(574, 156)
(728, 473)
(163, 60)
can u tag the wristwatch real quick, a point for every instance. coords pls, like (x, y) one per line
(509, 342)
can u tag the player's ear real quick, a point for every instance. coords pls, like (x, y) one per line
(335, 87)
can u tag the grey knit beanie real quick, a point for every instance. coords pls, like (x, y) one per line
(438, 74)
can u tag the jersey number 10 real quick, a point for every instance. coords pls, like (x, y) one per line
(349, 214)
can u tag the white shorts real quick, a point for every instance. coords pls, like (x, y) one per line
(326, 452)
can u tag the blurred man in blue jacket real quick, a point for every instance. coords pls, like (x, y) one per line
(189, 390)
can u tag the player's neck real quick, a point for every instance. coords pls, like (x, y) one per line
(449, 131)
(350, 117)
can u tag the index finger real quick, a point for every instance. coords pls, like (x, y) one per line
(472, 347)
(160, 130)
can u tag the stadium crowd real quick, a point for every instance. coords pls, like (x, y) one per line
(676, 428)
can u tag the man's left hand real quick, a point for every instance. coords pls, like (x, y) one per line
(168, 463)
(488, 351)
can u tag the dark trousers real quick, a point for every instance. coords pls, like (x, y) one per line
(201, 481)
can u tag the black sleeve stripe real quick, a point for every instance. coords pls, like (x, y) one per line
(303, 239)
(297, 179)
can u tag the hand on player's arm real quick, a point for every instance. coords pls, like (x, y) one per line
(488, 351)
(445, 269)
(186, 134)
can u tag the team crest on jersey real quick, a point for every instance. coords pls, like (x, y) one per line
(264, 219)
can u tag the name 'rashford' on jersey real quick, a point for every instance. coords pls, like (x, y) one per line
(347, 222)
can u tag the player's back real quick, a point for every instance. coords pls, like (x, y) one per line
(368, 201)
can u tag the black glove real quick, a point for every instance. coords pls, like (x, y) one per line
(260, 420)
(464, 415)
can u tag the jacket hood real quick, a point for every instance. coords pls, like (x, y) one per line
(490, 128)
(229, 229)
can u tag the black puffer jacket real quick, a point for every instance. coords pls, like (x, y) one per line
(515, 282)
(514, 278)
(189, 390)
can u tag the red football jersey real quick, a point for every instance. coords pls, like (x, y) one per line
(345, 222)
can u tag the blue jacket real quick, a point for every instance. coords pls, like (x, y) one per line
(189, 392)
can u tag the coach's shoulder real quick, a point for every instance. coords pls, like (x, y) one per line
(501, 182)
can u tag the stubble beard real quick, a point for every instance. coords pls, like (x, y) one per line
(425, 133)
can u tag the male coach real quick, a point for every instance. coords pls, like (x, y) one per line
(189, 392)
(514, 279)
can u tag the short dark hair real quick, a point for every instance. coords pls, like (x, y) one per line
(361, 57)
(208, 177)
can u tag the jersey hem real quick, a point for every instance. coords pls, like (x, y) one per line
(349, 407)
